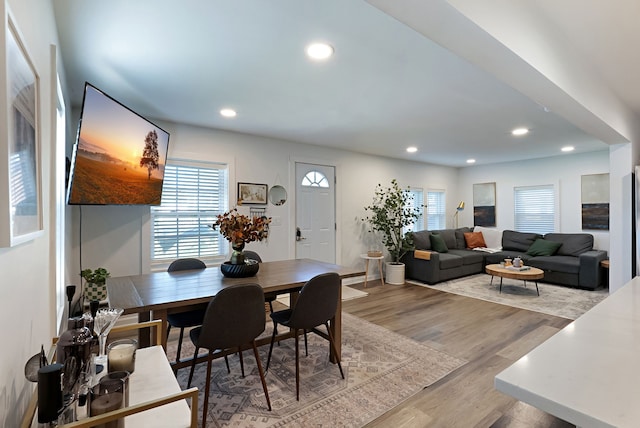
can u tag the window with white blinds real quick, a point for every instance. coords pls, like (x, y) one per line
(416, 200)
(534, 209)
(436, 210)
(193, 194)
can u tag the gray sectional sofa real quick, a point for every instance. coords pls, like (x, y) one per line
(573, 261)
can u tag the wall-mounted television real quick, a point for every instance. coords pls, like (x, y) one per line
(119, 156)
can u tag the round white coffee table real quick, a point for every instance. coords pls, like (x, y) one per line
(531, 274)
(366, 267)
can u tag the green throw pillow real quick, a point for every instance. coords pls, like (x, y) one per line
(438, 244)
(542, 247)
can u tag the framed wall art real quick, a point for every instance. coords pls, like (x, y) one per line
(484, 204)
(252, 193)
(595, 201)
(20, 185)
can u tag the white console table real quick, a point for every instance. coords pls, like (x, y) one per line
(588, 373)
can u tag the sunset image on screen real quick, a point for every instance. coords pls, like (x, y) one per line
(120, 157)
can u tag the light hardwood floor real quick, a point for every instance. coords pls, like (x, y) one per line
(489, 336)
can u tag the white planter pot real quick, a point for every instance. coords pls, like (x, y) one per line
(395, 273)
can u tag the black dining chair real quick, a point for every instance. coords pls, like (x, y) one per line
(235, 317)
(316, 305)
(186, 319)
(269, 297)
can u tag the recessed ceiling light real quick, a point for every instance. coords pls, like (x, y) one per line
(227, 112)
(471, 161)
(568, 149)
(319, 51)
(412, 149)
(520, 131)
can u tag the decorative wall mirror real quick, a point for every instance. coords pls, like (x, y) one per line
(277, 195)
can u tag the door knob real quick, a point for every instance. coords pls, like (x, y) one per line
(299, 234)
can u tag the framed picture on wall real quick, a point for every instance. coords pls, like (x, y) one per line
(595, 201)
(252, 194)
(484, 204)
(21, 207)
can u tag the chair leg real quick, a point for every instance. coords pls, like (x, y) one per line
(295, 333)
(205, 406)
(333, 349)
(306, 346)
(241, 361)
(262, 378)
(193, 366)
(273, 338)
(226, 361)
(179, 345)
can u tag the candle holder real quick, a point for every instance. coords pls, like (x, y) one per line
(121, 355)
(107, 396)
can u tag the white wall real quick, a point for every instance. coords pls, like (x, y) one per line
(118, 237)
(564, 172)
(27, 294)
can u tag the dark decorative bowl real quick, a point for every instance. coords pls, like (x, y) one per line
(250, 268)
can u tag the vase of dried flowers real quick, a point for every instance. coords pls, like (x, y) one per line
(239, 230)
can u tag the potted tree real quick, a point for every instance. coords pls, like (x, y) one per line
(389, 214)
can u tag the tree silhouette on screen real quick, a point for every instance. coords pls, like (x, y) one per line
(150, 154)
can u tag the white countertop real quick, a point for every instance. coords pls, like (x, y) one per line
(589, 372)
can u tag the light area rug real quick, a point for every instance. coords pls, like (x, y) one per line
(348, 293)
(382, 369)
(558, 300)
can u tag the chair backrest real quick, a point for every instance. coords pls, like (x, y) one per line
(235, 316)
(248, 254)
(317, 302)
(186, 264)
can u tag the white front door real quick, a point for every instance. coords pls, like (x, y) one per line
(315, 231)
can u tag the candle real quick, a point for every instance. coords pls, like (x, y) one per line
(108, 402)
(122, 356)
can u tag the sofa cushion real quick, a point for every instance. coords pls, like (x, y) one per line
(449, 236)
(474, 240)
(565, 264)
(468, 257)
(461, 243)
(518, 241)
(421, 240)
(437, 243)
(543, 247)
(492, 237)
(573, 244)
(450, 261)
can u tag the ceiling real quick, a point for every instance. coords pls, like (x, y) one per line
(386, 87)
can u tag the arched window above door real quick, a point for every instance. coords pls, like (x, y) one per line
(315, 179)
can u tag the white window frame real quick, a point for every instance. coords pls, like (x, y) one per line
(440, 216)
(535, 208)
(202, 217)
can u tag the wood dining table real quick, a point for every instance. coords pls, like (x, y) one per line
(157, 294)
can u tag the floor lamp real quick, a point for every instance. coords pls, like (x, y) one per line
(458, 209)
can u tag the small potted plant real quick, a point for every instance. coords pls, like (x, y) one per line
(390, 214)
(95, 287)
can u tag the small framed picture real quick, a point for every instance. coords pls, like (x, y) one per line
(252, 194)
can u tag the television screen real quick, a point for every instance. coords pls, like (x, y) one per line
(119, 156)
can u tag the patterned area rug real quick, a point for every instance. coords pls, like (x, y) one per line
(558, 300)
(382, 369)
